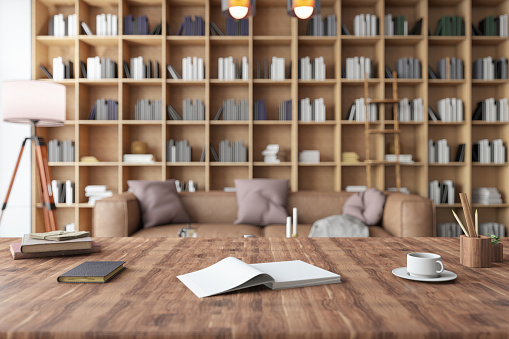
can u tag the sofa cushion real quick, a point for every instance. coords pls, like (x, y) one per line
(261, 201)
(159, 202)
(202, 230)
(368, 206)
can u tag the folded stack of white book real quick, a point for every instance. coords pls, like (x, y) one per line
(139, 158)
(271, 154)
(403, 158)
(96, 192)
(309, 156)
(486, 196)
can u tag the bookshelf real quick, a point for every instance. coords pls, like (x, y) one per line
(271, 33)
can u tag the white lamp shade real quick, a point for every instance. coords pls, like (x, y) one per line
(25, 101)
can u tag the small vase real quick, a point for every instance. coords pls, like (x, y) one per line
(497, 252)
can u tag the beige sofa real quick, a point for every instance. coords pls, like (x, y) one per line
(213, 213)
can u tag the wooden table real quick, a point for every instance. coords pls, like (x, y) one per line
(147, 300)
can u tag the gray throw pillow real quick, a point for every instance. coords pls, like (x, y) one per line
(159, 202)
(261, 201)
(367, 206)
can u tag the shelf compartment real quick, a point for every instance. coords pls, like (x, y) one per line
(329, 56)
(105, 175)
(177, 10)
(195, 135)
(175, 94)
(273, 94)
(45, 54)
(400, 40)
(411, 178)
(235, 51)
(133, 92)
(90, 9)
(47, 9)
(271, 19)
(316, 178)
(318, 138)
(231, 133)
(151, 135)
(105, 150)
(88, 95)
(132, 48)
(224, 176)
(325, 92)
(221, 92)
(264, 135)
(263, 53)
(186, 173)
(152, 9)
(272, 172)
(327, 8)
(354, 40)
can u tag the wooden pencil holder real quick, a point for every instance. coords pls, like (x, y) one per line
(475, 252)
(497, 252)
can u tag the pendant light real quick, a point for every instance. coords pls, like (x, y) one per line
(303, 9)
(238, 9)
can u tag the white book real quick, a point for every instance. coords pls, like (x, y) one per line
(231, 274)
(69, 192)
(201, 69)
(114, 24)
(194, 68)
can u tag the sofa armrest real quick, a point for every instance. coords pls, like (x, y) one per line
(116, 216)
(409, 215)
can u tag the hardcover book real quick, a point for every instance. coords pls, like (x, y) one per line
(29, 245)
(92, 272)
(17, 254)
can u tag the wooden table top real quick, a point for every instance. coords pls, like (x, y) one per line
(147, 300)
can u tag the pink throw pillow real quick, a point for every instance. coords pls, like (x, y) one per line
(367, 206)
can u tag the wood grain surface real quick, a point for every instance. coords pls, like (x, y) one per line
(147, 300)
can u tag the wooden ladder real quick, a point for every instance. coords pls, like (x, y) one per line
(370, 131)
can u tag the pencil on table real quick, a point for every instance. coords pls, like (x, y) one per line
(461, 225)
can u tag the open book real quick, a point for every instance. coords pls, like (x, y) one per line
(232, 274)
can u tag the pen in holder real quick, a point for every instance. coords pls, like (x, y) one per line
(475, 250)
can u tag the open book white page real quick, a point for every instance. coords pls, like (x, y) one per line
(232, 274)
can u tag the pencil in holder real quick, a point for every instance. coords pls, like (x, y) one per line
(475, 251)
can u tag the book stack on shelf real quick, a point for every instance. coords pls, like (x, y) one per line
(311, 70)
(450, 26)
(192, 109)
(237, 27)
(486, 196)
(59, 27)
(349, 157)
(410, 110)
(442, 192)
(438, 152)
(359, 112)
(309, 157)
(492, 228)
(451, 110)
(229, 69)
(61, 71)
(233, 111)
(138, 69)
(146, 109)
(96, 192)
(193, 68)
(138, 158)
(312, 110)
(325, 27)
(61, 151)
(489, 69)
(365, 25)
(491, 26)
(272, 154)
(448, 68)
(178, 151)
(359, 67)
(190, 27)
(99, 68)
(135, 25)
(232, 152)
(402, 158)
(489, 152)
(63, 191)
(104, 110)
(449, 229)
(106, 24)
(409, 68)
(491, 110)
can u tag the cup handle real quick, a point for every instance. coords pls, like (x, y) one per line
(441, 266)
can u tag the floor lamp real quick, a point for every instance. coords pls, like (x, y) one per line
(39, 103)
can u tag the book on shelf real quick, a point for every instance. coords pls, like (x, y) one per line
(192, 27)
(365, 25)
(96, 192)
(61, 151)
(491, 110)
(359, 67)
(492, 228)
(192, 109)
(214, 30)
(61, 70)
(402, 158)
(438, 152)
(355, 188)
(449, 229)
(69, 192)
(311, 69)
(433, 116)
(16, 253)
(213, 152)
(491, 26)
(344, 30)
(490, 69)
(360, 112)
(92, 272)
(146, 109)
(202, 157)
(232, 151)
(408, 68)
(192, 68)
(325, 27)
(395, 25)
(442, 192)
(46, 72)
(312, 110)
(231, 110)
(486, 196)
(136, 25)
(236, 27)
(450, 26)
(450, 68)
(100, 68)
(106, 25)
(388, 72)
(231, 274)
(178, 151)
(229, 68)
(410, 110)
(29, 245)
(59, 27)
(138, 158)
(309, 156)
(489, 152)
(416, 30)
(158, 29)
(460, 153)
(432, 75)
(451, 109)
(173, 72)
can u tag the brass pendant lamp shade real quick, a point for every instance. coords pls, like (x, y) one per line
(303, 9)
(238, 9)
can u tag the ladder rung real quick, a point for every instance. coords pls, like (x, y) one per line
(382, 131)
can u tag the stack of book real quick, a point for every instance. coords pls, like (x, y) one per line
(61, 151)
(403, 158)
(61, 71)
(450, 26)
(285, 110)
(365, 25)
(135, 26)
(309, 156)
(106, 24)
(489, 69)
(489, 152)
(178, 151)
(53, 244)
(410, 110)
(272, 154)
(312, 110)
(237, 27)
(442, 192)
(449, 229)
(232, 152)
(277, 69)
(395, 26)
(451, 110)
(327, 27)
(349, 157)
(138, 158)
(409, 68)
(104, 110)
(230, 69)
(492, 228)
(311, 70)
(359, 112)
(491, 110)
(138, 69)
(355, 188)
(193, 68)
(438, 152)
(58, 26)
(192, 27)
(233, 111)
(492, 26)
(146, 109)
(96, 192)
(359, 67)
(63, 192)
(99, 68)
(486, 196)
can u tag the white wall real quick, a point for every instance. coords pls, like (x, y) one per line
(15, 64)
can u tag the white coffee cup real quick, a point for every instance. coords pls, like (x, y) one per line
(424, 265)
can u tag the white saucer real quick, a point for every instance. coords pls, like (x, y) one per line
(444, 276)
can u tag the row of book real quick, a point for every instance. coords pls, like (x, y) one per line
(438, 152)
(489, 69)
(448, 68)
(233, 28)
(230, 69)
(489, 152)
(365, 25)
(178, 151)
(359, 67)
(312, 110)
(63, 191)
(146, 109)
(192, 109)
(450, 25)
(60, 70)
(491, 110)
(192, 27)
(285, 110)
(401, 158)
(398, 25)
(61, 151)
(100, 68)
(326, 27)
(106, 24)
(451, 229)
(360, 113)
(136, 25)
(231, 110)
(442, 192)
(58, 26)
(451, 110)
(493, 26)
(104, 110)
(97, 192)
(409, 68)
(312, 69)
(410, 110)
(139, 69)
(486, 196)
(266, 71)
(234, 151)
